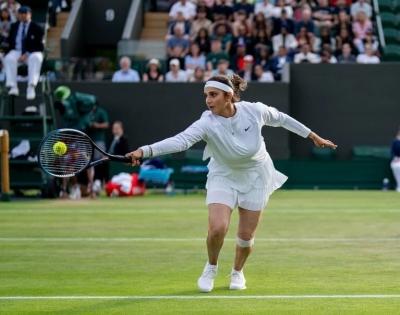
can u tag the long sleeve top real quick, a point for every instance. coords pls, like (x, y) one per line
(235, 145)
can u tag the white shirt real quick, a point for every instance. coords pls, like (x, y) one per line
(266, 77)
(365, 7)
(362, 58)
(188, 10)
(267, 10)
(126, 76)
(181, 76)
(20, 36)
(310, 57)
(235, 144)
(290, 42)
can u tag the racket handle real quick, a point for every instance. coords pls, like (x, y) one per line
(120, 158)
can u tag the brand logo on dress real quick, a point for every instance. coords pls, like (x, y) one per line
(247, 128)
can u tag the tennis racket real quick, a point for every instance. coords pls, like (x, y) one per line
(67, 152)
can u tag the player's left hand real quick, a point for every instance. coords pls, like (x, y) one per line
(321, 142)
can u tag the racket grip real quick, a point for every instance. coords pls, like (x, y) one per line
(121, 158)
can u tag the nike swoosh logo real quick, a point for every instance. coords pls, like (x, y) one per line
(247, 128)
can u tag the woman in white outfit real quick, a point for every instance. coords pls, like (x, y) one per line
(395, 164)
(241, 172)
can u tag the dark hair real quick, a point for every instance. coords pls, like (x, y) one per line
(235, 82)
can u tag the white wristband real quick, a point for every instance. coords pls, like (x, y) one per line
(147, 151)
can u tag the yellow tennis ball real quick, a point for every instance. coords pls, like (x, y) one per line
(60, 148)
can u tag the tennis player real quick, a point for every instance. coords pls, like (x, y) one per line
(241, 172)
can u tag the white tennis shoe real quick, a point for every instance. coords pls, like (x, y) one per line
(206, 280)
(238, 281)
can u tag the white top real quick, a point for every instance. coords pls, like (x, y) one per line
(363, 58)
(180, 76)
(235, 145)
(188, 10)
(126, 76)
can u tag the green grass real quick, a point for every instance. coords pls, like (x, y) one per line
(308, 243)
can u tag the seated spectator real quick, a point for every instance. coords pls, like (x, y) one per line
(306, 21)
(346, 56)
(244, 5)
(259, 22)
(264, 7)
(119, 144)
(306, 55)
(198, 75)
(216, 54)
(368, 56)
(304, 37)
(26, 46)
(326, 56)
(240, 21)
(281, 5)
(369, 39)
(194, 59)
(179, 22)
(263, 57)
(13, 7)
(237, 60)
(125, 74)
(153, 72)
(283, 20)
(242, 39)
(203, 40)
(279, 61)
(340, 6)
(200, 22)
(223, 7)
(361, 6)
(342, 20)
(178, 39)
(222, 68)
(222, 33)
(187, 8)
(345, 38)
(325, 38)
(284, 39)
(361, 26)
(260, 75)
(261, 38)
(5, 26)
(175, 74)
(247, 72)
(323, 14)
(177, 53)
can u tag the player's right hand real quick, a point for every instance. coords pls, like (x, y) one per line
(136, 156)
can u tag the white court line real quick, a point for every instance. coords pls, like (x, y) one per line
(159, 239)
(204, 297)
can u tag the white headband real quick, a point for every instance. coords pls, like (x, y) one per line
(219, 85)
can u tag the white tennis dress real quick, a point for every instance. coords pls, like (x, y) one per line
(239, 160)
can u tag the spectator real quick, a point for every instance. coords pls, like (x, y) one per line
(263, 57)
(202, 39)
(361, 6)
(223, 7)
(237, 60)
(259, 23)
(26, 46)
(305, 55)
(368, 56)
(153, 72)
(240, 21)
(13, 7)
(242, 39)
(216, 54)
(198, 75)
(187, 8)
(395, 163)
(244, 5)
(247, 72)
(265, 7)
(361, 26)
(262, 76)
(222, 33)
(306, 21)
(194, 59)
(200, 22)
(178, 39)
(344, 38)
(369, 39)
(177, 53)
(304, 37)
(283, 20)
(346, 55)
(278, 62)
(323, 14)
(119, 144)
(342, 20)
(281, 5)
(261, 39)
(175, 74)
(340, 6)
(5, 26)
(222, 68)
(179, 22)
(326, 56)
(284, 39)
(325, 38)
(125, 74)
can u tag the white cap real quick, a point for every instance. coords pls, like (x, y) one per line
(174, 62)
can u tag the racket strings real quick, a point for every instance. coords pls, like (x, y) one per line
(78, 154)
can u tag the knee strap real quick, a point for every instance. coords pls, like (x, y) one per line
(243, 243)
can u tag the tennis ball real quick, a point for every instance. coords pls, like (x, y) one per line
(59, 148)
